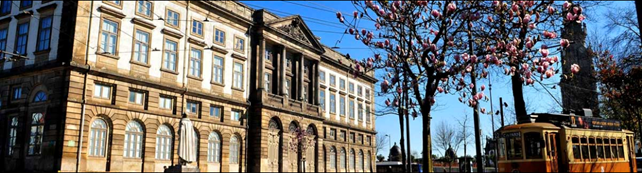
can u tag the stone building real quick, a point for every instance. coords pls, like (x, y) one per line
(111, 79)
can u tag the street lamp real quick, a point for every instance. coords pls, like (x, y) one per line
(388, 140)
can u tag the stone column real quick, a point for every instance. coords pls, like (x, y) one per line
(261, 68)
(300, 76)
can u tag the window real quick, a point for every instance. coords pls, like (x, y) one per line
(136, 97)
(115, 2)
(238, 75)
(360, 160)
(98, 138)
(214, 148)
(287, 86)
(267, 83)
(22, 38)
(133, 140)
(620, 149)
(342, 159)
(236, 115)
(367, 94)
(367, 114)
(195, 63)
(239, 44)
(192, 107)
(360, 111)
(322, 76)
(215, 111)
(166, 103)
(109, 37)
(607, 149)
(351, 87)
(219, 37)
(366, 166)
(359, 89)
(351, 137)
(351, 109)
(614, 151)
(6, 7)
(360, 139)
(288, 62)
(44, 33)
(144, 8)
(234, 150)
(304, 93)
(169, 62)
(584, 148)
(26, 4)
(102, 91)
(592, 148)
(217, 70)
(333, 104)
(342, 135)
(600, 148)
(534, 144)
(333, 134)
(37, 128)
(141, 46)
(13, 132)
(41, 96)
(3, 38)
(333, 158)
(172, 18)
(576, 148)
(17, 93)
(197, 27)
(322, 99)
(163, 143)
(268, 55)
(368, 138)
(514, 147)
(342, 106)
(342, 84)
(351, 160)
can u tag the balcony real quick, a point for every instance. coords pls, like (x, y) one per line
(288, 104)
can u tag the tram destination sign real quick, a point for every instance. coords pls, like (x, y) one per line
(583, 122)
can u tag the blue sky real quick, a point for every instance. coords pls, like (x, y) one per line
(320, 18)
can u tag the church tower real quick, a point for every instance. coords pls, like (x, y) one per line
(580, 90)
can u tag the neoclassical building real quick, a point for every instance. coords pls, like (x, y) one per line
(102, 85)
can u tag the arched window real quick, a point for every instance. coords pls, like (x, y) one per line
(214, 148)
(352, 160)
(342, 159)
(98, 138)
(360, 161)
(133, 140)
(274, 140)
(234, 150)
(41, 96)
(37, 129)
(367, 163)
(333, 158)
(163, 143)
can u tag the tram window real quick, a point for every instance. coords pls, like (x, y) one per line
(592, 148)
(607, 149)
(614, 149)
(585, 148)
(600, 148)
(620, 148)
(514, 148)
(533, 145)
(576, 148)
(502, 148)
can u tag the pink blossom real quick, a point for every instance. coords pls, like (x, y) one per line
(551, 9)
(524, 66)
(549, 73)
(577, 9)
(529, 45)
(540, 69)
(338, 15)
(483, 110)
(351, 30)
(451, 7)
(570, 16)
(435, 13)
(567, 4)
(554, 59)
(564, 43)
(495, 3)
(505, 70)
(386, 42)
(527, 18)
(388, 102)
(545, 64)
(581, 18)
(382, 12)
(356, 14)
(384, 85)
(483, 87)
(471, 86)
(399, 90)
(356, 36)
(544, 51)
(377, 25)
(440, 89)
(363, 31)
(575, 68)
(529, 81)
(532, 25)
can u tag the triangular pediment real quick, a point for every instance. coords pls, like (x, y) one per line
(296, 28)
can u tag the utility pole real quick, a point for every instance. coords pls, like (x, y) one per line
(473, 79)
(501, 109)
(492, 120)
(406, 112)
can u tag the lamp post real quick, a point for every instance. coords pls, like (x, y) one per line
(388, 140)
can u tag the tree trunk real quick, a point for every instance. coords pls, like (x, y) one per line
(401, 142)
(426, 155)
(518, 97)
(407, 111)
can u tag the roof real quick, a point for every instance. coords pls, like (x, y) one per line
(530, 126)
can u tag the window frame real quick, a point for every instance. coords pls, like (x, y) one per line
(139, 140)
(35, 139)
(16, 93)
(136, 55)
(201, 29)
(150, 9)
(237, 42)
(103, 141)
(342, 105)
(40, 42)
(168, 21)
(3, 41)
(2, 6)
(238, 77)
(234, 116)
(342, 84)
(217, 33)
(101, 47)
(235, 150)
(322, 99)
(13, 134)
(161, 102)
(195, 104)
(167, 52)
(23, 6)
(218, 68)
(134, 94)
(214, 147)
(220, 111)
(118, 5)
(165, 142)
(25, 35)
(267, 78)
(102, 87)
(191, 62)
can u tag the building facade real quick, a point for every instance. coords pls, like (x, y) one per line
(112, 79)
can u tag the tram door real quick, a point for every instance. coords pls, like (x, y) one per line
(632, 160)
(553, 151)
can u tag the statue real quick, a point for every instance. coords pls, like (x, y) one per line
(186, 147)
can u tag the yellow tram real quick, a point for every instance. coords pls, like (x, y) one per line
(565, 143)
